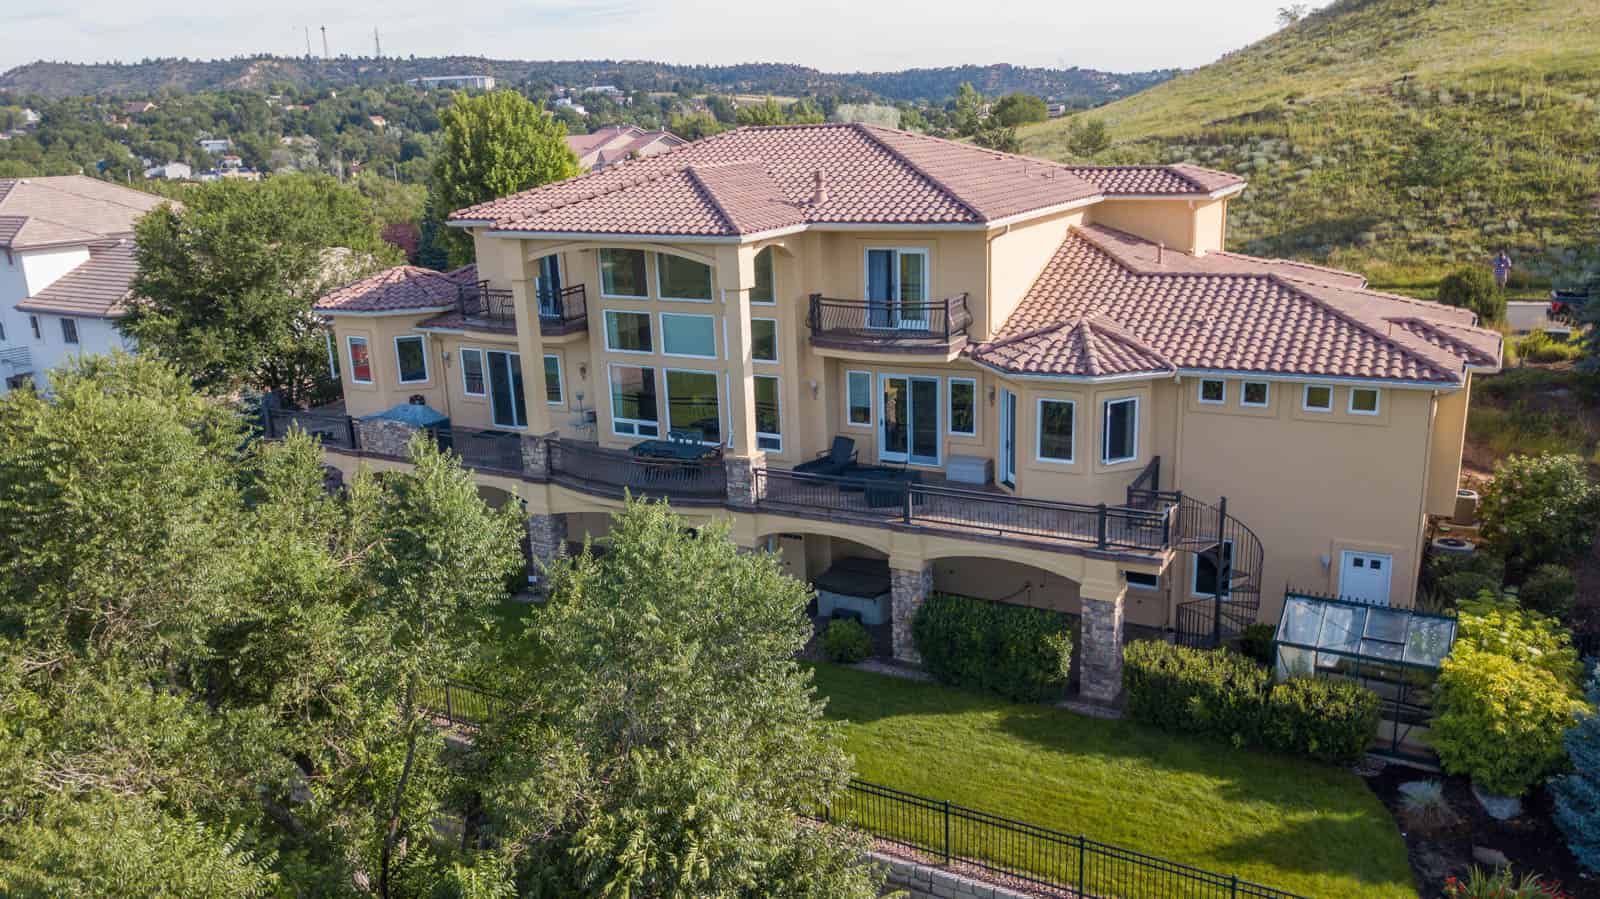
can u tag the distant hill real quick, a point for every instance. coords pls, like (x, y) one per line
(1399, 136)
(1083, 87)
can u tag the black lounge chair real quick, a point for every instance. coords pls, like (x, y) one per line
(836, 461)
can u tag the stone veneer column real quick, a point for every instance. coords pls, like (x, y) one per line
(536, 456)
(1100, 669)
(908, 587)
(383, 437)
(744, 489)
(547, 538)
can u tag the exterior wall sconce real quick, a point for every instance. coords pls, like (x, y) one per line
(991, 395)
(583, 370)
(816, 389)
(1327, 561)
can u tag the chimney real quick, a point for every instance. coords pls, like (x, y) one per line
(819, 192)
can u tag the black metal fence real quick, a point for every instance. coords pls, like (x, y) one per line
(491, 304)
(483, 450)
(593, 467)
(461, 705)
(333, 430)
(564, 311)
(871, 321)
(948, 833)
(888, 499)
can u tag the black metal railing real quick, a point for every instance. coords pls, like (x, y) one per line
(948, 833)
(589, 466)
(461, 705)
(873, 322)
(894, 500)
(1235, 557)
(491, 305)
(564, 311)
(480, 449)
(332, 429)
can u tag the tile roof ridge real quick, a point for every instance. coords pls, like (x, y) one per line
(1087, 337)
(1388, 337)
(871, 133)
(1102, 320)
(1028, 335)
(1279, 260)
(711, 198)
(36, 182)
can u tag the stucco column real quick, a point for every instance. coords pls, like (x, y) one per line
(1100, 669)
(736, 274)
(910, 583)
(530, 344)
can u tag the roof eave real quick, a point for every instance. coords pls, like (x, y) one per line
(377, 313)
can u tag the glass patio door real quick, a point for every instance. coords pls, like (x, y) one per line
(908, 429)
(1008, 438)
(507, 406)
(897, 289)
(549, 286)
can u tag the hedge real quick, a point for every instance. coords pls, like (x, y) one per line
(1229, 697)
(1019, 652)
(846, 641)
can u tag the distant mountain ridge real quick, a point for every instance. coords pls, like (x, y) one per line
(1074, 85)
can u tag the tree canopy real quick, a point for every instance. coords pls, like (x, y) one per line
(1019, 109)
(226, 281)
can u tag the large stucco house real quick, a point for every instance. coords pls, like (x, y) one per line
(1058, 387)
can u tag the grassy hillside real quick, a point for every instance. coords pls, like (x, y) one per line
(1399, 136)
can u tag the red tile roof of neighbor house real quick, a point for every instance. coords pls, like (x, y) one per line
(66, 210)
(756, 179)
(98, 288)
(399, 289)
(1111, 304)
(1178, 179)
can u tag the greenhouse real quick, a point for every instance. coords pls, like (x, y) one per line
(1392, 652)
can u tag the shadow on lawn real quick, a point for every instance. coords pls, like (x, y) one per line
(1317, 841)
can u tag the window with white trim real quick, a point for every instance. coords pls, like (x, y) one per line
(69, 330)
(1363, 401)
(765, 291)
(692, 404)
(963, 415)
(633, 401)
(1054, 441)
(1317, 398)
(622, 274)
(1140, 580)
(1121, 443)
(552, 380)
(1213, 391)
(628, 332)
(681, 278)
(764, 339)
(411, 359)
(688, 335)
(858, 397)
(1255, 394)
(360, 360)
(472, 372)
(769, 424)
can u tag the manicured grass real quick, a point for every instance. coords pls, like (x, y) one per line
(1279, 821)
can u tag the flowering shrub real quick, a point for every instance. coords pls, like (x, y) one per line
(1501, 885)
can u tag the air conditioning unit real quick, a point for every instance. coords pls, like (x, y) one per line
(1466, 508)
(1453, 546)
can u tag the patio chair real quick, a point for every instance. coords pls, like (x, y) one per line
(838, 460)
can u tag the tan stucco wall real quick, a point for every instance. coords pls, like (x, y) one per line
(1017, 254)
(1182, 227)
(1444, 458)
(386, 391)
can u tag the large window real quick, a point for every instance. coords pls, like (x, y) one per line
(692, 404)
(360, 360)
(69, 330)
(963, 407)
(858, 386)
(769, 433)
(472, 372)
(682, 279)
(628, 332)
(552, 380)
(764, 339)
(765, 290)
(1055, 430)
(1122, 430)
(622, 274)
(411, 357)
(508, 405)
(689, 335)
(633, 401)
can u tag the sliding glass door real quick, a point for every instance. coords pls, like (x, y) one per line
(1008, 438)
(548, 285)
(897, 288)
(908, 429)
(507, 407)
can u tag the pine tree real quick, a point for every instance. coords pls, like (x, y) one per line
(1577, 795)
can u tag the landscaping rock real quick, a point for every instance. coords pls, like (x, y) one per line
(1492, 858)
(1500, 808)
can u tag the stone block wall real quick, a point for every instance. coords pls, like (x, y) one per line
(1100, 671)
(383, 437)
(743, 489)
(908, 587)
(536, 456)
(547, 538)
(930, 882)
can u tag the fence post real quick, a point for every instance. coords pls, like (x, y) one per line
(947, 832)
(1233, 885)
(355, 441)
(908, 500)
(1102, 525)
(1082, 848)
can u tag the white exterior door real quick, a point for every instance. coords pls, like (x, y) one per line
(1364, 577)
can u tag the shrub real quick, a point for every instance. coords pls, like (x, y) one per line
(1550, 589)
(1577, 795)
(1499, 625)
(1256, 643)
(1425, 808)
(1540, 510)
(1474, 288)
(846, 641)
(1464, 585)
(1441, 591)
(1326, 719)
(1219, 694)
(1020, 652)
(1500, 884)
(1541, 347)
(1499, 721)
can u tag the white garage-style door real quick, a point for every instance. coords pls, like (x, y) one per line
(1364, 577)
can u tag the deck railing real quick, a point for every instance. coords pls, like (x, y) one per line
(589, 466)
(480, 449)
(874, 322)
(338, 431)
(564, 311)
(491, 304)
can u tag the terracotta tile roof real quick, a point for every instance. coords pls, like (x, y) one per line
(1179, 179)
(1143, 255)
(67, 209)
(869, 175)
(1187, 314)
(399, 289)
(99, 288)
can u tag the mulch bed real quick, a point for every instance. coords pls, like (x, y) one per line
(1531, 841)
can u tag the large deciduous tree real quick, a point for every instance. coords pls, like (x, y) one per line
(494, 145)
(226, 282)
(668, 741)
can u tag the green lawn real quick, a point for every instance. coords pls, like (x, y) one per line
(1275, 820)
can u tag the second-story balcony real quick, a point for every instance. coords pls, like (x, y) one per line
(485, 308)
(936, 326)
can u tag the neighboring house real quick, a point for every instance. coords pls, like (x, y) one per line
(476, 82)
(614, 143)
(137, 107)
(64, 276)
(216, 145)
(172, 171)
(569, 103)
(1059, 389)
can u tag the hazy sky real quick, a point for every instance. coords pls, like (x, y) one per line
(834, 35)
